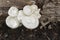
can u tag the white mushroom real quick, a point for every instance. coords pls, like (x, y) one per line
(20, 15)
(27, 10)
(34, 7)
(30, 22)
(28, 17)
(12, 22)
(36, 14)
(13, 11)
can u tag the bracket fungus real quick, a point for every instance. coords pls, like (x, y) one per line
(29, 17)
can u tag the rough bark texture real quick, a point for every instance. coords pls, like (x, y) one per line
(48, 29)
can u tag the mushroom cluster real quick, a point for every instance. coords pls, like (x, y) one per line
(29, 17)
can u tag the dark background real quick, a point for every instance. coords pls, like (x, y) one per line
(48, 29)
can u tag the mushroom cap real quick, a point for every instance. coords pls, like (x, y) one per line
(36, 14)
(27, 10)
(12, 22)
(34, 7)
(30, 22)
(20, 15)
(13, 11)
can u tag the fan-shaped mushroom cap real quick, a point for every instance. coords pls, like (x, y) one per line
(36, 14)
(13, 11)
(30, 22)
(34, 7)
(27, 10)
(12, 22)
